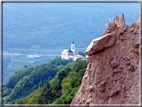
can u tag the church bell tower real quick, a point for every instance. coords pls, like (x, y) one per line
(73, 47)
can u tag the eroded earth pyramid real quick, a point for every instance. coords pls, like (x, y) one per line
(112, 75)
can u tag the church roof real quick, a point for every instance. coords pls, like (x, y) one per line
(67, 51)
(70, 51)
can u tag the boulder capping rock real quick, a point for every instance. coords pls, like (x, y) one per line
(101, 43)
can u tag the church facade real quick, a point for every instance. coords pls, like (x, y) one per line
(70, 53)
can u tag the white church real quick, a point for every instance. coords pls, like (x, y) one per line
(70, 53)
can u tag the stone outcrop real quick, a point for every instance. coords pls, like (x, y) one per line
(101, 43)
(119, 21)
(112, 74)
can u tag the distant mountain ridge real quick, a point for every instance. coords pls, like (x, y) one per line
(27, 24)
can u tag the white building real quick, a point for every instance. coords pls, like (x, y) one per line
(70, 53)
(66, 54)
(79, 56)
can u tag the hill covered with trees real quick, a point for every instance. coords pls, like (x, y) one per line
(62, 88)
(55, 82)
(29, 78)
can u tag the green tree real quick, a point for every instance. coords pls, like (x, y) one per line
(81, 53)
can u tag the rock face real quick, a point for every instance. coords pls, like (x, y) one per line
(112, 75)
(101, 43)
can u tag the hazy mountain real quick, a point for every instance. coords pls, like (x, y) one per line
(56, 25)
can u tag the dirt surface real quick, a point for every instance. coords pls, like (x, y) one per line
(112, 75)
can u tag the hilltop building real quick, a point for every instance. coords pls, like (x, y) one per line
(66, 54)
(70, 53)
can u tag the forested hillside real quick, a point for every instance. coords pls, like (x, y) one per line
(30, 78)
(62, 88)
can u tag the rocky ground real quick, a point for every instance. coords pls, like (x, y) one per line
(112, 75)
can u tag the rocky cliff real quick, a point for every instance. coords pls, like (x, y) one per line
(112, 75)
